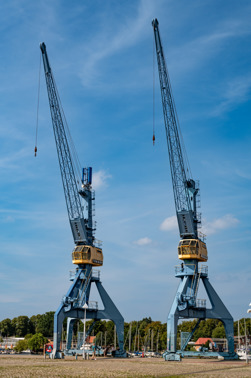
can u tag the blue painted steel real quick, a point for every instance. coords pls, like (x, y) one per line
(82, 230)
(183, 188)
(73, 203)
(89, 175)
(72, 308)
(186, 305)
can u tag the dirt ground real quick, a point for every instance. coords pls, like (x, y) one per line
(36, 366)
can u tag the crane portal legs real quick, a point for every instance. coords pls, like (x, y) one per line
(187, 306)
(72, 307)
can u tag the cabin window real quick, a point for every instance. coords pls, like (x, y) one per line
(185, 242)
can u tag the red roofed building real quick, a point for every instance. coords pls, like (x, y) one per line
(202, 341)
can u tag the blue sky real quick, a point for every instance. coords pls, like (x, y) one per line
(101, 53)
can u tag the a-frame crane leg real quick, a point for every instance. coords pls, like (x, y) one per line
(72, 308)
(70, 325)
(172, 320)
(111, 312)
(186, 306)
(219, 311)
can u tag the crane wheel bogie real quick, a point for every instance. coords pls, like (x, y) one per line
(87, 254)
(192, 249)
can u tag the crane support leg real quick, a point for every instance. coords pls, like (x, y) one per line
(58, 326)
(72, 308)
(172, 320)
(219, 311)
(111, 312)
(187, 306)
(70, 324)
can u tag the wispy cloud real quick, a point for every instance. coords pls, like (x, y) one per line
(209, 228)
(9, 299)
(110, 41)
(100, 179)
(201, 48)
(169, 224)
(237, 91)
(245, 174)
(143, 241)
(13, 160)
(223, 223)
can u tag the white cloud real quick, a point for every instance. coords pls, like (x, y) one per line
(111, 41)
(200, 49)
(209, 228)
(169, 224)
(238, 90)
(9, 299)
(99, 179)
(223, 223)
(143, 241)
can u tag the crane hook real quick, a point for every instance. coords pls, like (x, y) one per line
(35, 150)
(153, 139)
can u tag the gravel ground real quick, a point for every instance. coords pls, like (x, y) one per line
(36, 366)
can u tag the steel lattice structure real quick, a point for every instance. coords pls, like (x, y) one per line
(86, 254)
(191, 248)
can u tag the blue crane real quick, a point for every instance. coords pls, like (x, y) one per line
(86, 254)
(192, 247)
(81, 227)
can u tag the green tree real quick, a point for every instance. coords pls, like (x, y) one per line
(45, 324)
(207, 344)
(36, 342)
(6, 328)
(21, 345)
(22, 325)
(28, 336)
(13, 325)
(34, 322)
(219, 332)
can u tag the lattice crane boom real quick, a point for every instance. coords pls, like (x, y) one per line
(191, 249)
(81, 227)
(76, 303)
(184, 188)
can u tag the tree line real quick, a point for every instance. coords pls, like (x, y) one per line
(144, 333)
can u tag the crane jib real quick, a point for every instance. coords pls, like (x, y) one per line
(81, 227)
(184, 189)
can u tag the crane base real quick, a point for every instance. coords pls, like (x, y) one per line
(72, 308)
(171, 356)
(187, 306)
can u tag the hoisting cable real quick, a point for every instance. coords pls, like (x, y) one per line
(75, 159)
(153, 94)
(182, 144)
(35, 149)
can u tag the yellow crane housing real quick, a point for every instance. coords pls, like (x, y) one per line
(192, 249)
(87, 254)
